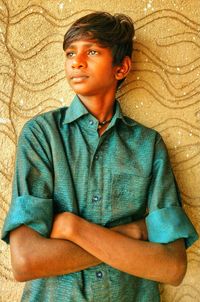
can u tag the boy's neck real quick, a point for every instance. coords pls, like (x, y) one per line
(101, 107)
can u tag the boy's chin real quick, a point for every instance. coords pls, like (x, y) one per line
(77, 89)
(84, 93)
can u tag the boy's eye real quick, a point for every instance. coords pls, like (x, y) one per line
(70, 54)
(92, 52)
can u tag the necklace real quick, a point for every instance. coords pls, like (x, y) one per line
(101, 124)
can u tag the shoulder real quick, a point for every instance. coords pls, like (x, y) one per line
(46, 121)
(142, 131)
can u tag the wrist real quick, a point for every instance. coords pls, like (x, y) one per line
(65, 226)
(70, 226)
(79, 228)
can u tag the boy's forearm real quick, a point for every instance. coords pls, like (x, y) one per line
(163, 263)
(34, 256)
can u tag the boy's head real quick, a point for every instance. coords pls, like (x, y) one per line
(114, 32)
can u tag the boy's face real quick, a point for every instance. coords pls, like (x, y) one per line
(89, 68)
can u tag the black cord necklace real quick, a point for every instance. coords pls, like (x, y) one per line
(101, 124)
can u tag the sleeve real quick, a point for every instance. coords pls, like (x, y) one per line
(166, 220)
(31, 203)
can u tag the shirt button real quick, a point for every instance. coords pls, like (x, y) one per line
(96, 198)
(96, 157)
(91, 122)
(99, 275)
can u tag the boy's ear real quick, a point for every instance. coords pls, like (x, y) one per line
(123, 69)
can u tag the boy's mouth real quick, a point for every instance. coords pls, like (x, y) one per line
(78, 78)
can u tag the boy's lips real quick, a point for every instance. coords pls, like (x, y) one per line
(78, 77)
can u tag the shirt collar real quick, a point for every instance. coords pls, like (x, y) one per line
(77, 109)
(119, 116)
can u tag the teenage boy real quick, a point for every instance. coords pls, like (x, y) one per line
(85, 179)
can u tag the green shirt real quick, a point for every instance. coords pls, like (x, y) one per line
(63, 165)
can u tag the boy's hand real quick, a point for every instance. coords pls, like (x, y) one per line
(136, 230)
(64, 225)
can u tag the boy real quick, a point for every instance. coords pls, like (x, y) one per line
(86, 177)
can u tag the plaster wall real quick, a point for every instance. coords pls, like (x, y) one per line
(162, 91)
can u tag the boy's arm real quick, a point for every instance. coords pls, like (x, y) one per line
(34, 256)
(159, 262)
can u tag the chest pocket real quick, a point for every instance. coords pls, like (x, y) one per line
(129, 195)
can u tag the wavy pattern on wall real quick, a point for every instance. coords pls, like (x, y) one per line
(162, 92)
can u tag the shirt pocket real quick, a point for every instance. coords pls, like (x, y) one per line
(129, 195)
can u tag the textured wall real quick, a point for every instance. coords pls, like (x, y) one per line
(162, 92)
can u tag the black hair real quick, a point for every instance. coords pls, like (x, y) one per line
(112, 31)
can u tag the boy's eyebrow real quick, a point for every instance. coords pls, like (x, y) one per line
(74, 46)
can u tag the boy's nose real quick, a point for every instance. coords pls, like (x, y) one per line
(79, 62)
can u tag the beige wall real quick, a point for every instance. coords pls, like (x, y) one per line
(162, 92)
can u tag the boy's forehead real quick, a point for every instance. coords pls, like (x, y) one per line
(83, 42)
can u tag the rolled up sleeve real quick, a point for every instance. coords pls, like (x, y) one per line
(167, 220)
(169, 224)
(31, 211)
(32, 202)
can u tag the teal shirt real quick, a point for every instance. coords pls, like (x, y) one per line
(63, 165)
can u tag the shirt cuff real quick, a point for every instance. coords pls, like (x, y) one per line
(169, 224)
(36, 213)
